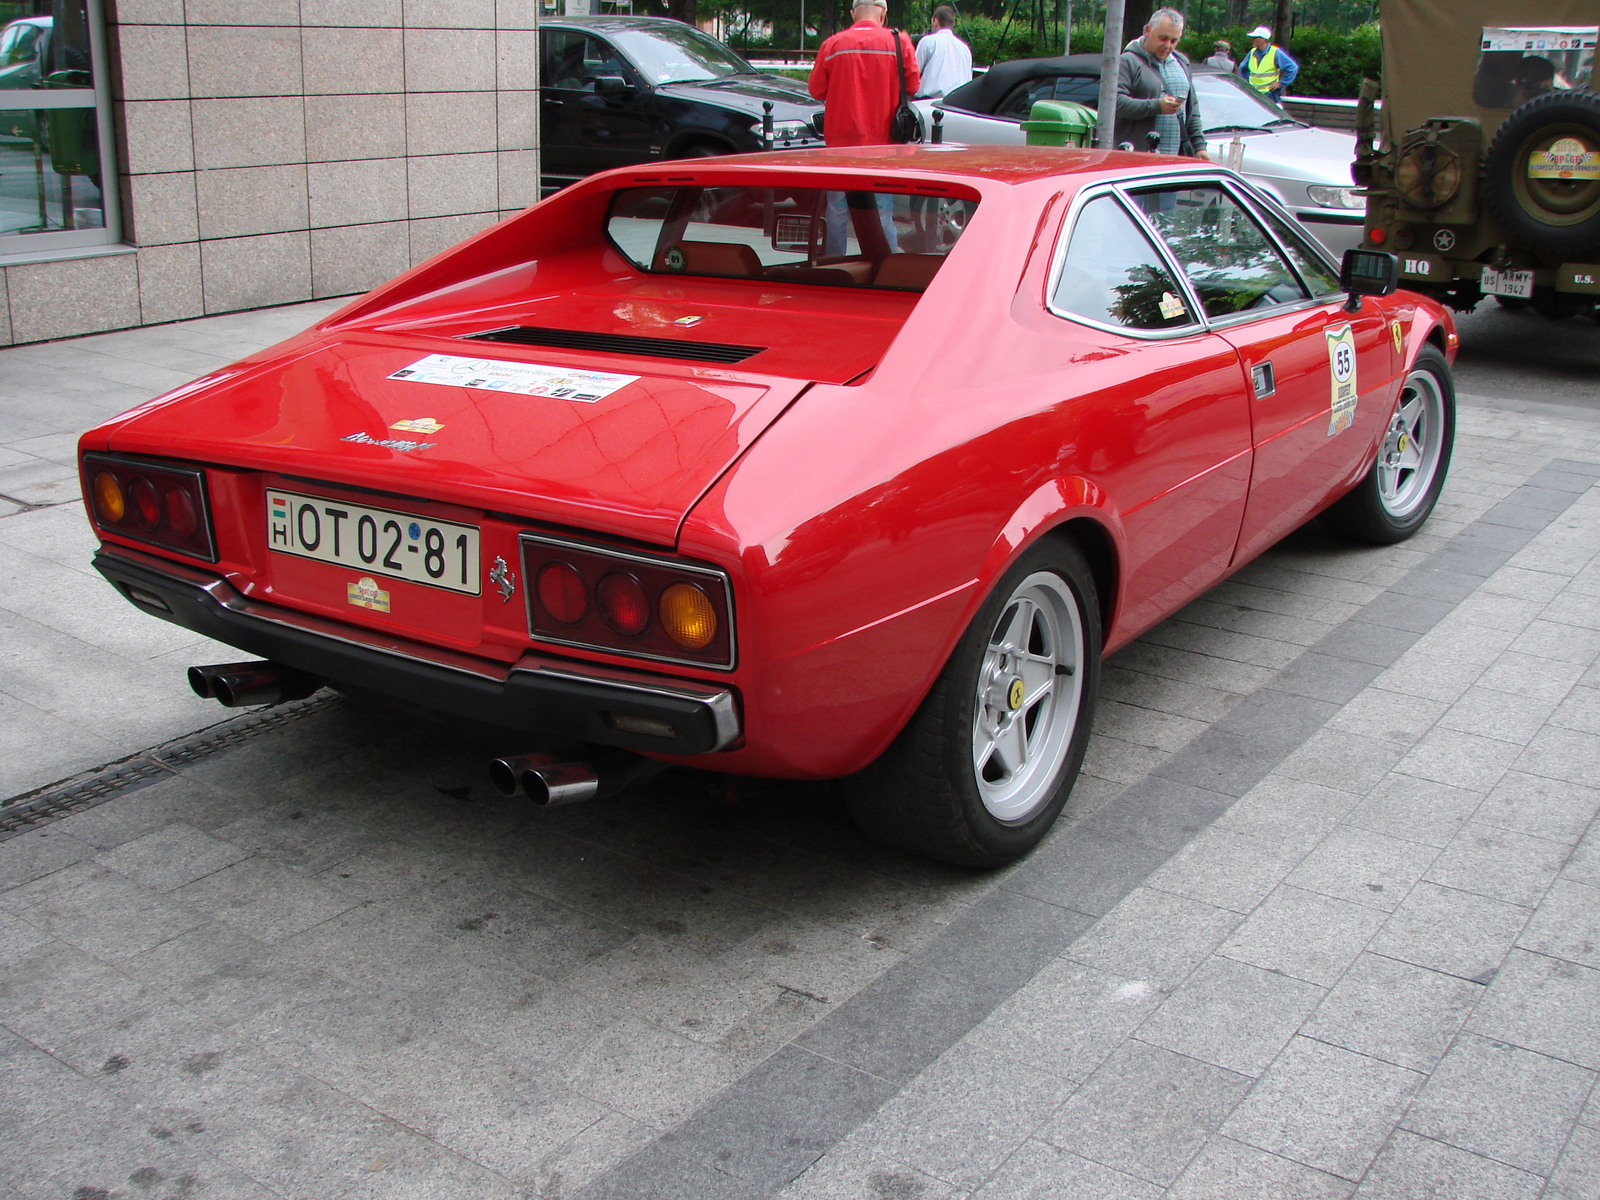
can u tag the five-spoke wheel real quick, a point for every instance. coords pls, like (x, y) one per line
(1395, 497)
(1029, 689)
(984, 766)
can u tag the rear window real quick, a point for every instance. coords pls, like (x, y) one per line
(798, 235)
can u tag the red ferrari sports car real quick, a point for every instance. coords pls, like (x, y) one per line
(838, 464)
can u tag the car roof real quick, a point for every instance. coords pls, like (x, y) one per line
(988, 89)
(988, 163)
(623, 22)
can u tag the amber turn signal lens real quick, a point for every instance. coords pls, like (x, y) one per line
(562, 594)
(623, 604)
(688, 616)
(108, 499)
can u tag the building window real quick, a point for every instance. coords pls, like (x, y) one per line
(58, 179)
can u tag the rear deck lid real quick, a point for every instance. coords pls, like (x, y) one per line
(619, 444)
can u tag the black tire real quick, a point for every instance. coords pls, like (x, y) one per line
(927, 793)
(1551, 216)
(1396, 496)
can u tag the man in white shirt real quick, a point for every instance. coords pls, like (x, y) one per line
(944, 60)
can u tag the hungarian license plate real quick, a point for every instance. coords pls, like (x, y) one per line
(417, 549)
(1518, 284)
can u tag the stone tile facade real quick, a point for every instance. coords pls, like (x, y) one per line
(278, 151)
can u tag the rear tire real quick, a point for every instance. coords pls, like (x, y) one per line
(1395, 497)
(982, 770)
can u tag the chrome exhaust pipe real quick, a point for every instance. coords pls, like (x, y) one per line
(548, 782)
(544, 779)
(247, 684)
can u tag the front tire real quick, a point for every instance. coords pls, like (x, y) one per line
(1398, 493)
(983, 768)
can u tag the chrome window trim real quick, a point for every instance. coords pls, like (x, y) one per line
(1069, 226)
(664, 560)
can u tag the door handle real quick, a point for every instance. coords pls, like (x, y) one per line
(1261, 377)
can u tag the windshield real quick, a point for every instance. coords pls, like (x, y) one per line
(792, 235)
(1229, 104)
(679, 55)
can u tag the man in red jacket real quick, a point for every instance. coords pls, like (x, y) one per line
(857, 79)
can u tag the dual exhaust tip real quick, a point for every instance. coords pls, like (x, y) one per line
(542, 778)
(548, 781)
(247, 684)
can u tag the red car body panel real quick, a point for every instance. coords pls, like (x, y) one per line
(863, 484)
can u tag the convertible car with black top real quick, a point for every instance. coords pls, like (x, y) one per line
(840, 464)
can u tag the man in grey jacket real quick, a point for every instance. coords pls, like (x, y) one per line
(1155, 91)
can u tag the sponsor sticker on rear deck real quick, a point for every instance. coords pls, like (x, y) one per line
(522, 379)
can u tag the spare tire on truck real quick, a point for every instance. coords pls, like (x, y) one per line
(1541, 176)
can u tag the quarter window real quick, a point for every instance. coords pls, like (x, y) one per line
(1112, 274)
(1021, 101)
(1228, 258)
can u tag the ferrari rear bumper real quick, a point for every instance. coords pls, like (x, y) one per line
(537, 694)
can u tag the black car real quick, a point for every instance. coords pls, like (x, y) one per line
(621, 90)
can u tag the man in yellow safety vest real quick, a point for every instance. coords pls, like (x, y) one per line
(1267, 68)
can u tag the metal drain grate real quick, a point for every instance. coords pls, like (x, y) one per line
(56, 800)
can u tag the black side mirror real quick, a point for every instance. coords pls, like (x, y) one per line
(611, 85)
(1368, 273)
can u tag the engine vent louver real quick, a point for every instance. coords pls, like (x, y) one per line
(618, 343)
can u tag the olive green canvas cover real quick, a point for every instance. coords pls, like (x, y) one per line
(1431, 50)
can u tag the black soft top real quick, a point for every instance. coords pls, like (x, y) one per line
(983, 94)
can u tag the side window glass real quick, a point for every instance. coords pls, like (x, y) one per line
(1020, 103)
(1080, 89)
(1318, 278)
(1113, 274)
(599, 59)
(563, 59)
(1233, 265)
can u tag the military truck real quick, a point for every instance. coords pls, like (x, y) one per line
(1482, 172)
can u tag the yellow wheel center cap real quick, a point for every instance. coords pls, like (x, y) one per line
(1014, 695)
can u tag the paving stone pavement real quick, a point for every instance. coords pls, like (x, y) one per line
(1320, 920)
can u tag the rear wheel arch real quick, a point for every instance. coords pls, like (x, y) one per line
(1095, 543)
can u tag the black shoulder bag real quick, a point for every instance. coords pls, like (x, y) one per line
(904, 128)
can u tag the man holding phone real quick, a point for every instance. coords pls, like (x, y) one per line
(1155, 91)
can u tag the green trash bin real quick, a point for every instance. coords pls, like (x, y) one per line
(1059, 123)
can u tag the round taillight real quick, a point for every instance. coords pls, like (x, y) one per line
(1377, 236)
(146, 504)
(109, 503)
(623, 604)
(561, 593)
(180, 512)
(688, 616)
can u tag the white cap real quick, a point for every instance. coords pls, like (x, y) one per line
(1261, 31)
